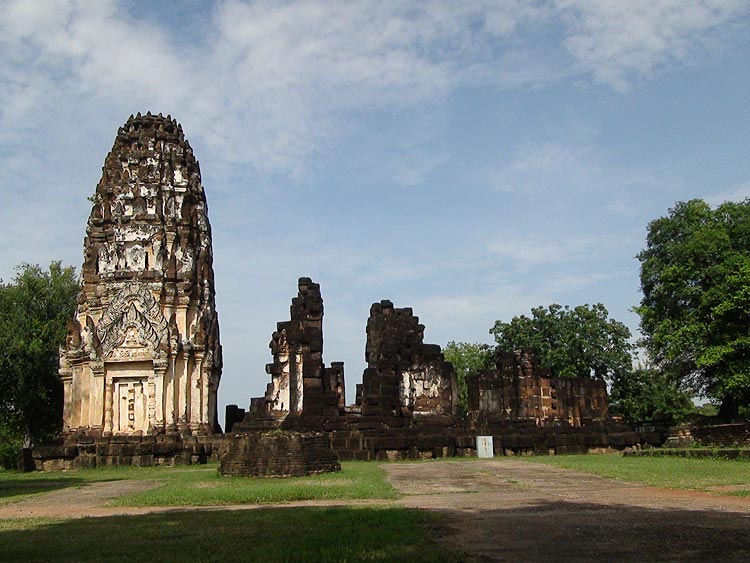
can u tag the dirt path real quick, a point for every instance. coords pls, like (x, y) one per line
(91, 500)
(508, 510)
(77, 501)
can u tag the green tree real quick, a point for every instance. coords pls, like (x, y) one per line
(34, 310)
(640, 394)
(468, 359)
(579, 342)
(695, 310)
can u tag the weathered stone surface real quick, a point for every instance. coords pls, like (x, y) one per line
(517, 389)
(406, 403)
(142, 354)
(404, 376)
(278, 454)
(303, 392)
(103, 451)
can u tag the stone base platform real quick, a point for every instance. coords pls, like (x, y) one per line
(356, 436)
(83, 452)
(278, 454)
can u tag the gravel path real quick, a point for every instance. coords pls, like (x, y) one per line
(508, 510)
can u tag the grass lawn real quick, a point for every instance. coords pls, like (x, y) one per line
(203, 486)
(670, 472)
(361, 533)
(269, 534)
(357, 480)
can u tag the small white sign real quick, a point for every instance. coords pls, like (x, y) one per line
(485, 447)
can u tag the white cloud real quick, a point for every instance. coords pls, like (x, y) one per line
(547, 167)
(571, 282)
(277, 84)
(541, 169)
(619, 41)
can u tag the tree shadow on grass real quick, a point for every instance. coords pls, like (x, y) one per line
(576, 531)
(10, 488)
(269, 534)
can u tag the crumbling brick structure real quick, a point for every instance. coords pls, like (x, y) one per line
(279, 454)
(406, 403)
(404, 376)
(518, 389)
(303, 392)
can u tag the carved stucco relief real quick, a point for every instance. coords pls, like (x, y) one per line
(134, 314)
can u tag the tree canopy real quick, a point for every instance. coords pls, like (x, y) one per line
(695, 310)
(34, 310)
(643, 393)
(468, 359)
(578, 342)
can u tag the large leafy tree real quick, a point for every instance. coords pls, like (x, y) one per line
(578, 342)
(643, 393)
(34, 310)
(695, 311)
(468, 359)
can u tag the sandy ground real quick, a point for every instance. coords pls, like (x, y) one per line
(509, 510)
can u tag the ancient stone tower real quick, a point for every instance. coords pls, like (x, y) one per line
(142, 354)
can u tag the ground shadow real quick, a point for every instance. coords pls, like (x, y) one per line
(268, 534)
(10, 488)
(575, 531)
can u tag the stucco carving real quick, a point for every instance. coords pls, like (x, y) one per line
(134, 307)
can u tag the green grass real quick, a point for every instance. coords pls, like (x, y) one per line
(203, 486)
(669, 472)
(271, 534)
(357, 480)
(15, 485)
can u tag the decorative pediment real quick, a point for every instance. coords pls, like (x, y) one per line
(133, 321)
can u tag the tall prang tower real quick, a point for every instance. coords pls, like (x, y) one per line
(142, 354)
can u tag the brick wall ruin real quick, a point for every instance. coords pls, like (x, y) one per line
(518, 389)
(302, 391)
(406, 404)
(404, 376)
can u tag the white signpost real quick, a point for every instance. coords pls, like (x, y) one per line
(485, 447)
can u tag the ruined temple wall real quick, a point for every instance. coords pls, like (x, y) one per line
(303, 392)
(405, 376)
(517, 389)
(297, 349)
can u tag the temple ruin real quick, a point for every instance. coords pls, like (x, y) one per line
(519, 389)
(404, 376)
(407, 403)
(142, 354)
(142, 360)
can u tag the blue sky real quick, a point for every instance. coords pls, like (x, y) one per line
(468, 159)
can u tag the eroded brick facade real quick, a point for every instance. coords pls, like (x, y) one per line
(302, 391)
(518, 389)
(404, 376)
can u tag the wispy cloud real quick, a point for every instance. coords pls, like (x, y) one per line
(274, 84)
(539, 170)
(527, 251)
(740, 193)
(619, 42)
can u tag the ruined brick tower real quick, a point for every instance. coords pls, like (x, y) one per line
(142, 354)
